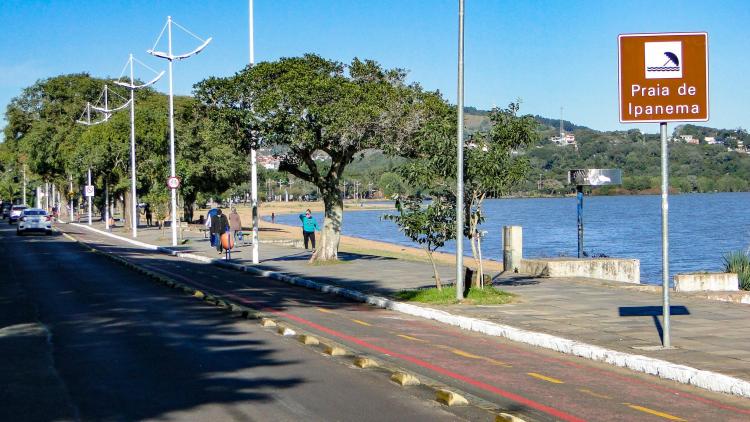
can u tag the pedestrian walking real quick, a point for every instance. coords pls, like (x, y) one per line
(235, 224)
(273, 218)
(309, 227)
(219, 226)
(209, 215)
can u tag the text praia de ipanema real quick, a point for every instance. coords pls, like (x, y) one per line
(683, 90)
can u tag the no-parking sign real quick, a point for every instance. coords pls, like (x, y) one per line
(173, 182)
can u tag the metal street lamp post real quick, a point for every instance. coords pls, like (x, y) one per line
(132, 87)
(253, 152)
(171, 58)
(24, 184)
(107, 114)
(460, 159)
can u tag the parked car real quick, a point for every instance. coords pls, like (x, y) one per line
(15, 213)
(34, 220)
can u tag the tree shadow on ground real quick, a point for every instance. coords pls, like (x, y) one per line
(126, 348)
(514, 280)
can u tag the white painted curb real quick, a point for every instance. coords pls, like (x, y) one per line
(114, 236)
(708, 380)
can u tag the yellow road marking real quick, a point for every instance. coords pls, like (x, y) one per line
(591, 393)
(324, 310)
(654, 412)
(498, 362)
(465, 354)
(411, 338)
(545, 378)
(362, 323)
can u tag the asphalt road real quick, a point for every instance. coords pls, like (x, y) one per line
(85, 338)
(502, 375)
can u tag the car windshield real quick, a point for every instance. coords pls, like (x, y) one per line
(35, 212)
(18, 207)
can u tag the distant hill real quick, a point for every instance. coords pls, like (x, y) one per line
(693, 168)
(478, 120)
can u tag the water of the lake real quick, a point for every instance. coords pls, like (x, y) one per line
(702, 228)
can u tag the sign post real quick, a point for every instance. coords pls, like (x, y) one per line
(590, 177)
(663, 78)
(89, 194)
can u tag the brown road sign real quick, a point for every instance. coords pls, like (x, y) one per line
(663, 77)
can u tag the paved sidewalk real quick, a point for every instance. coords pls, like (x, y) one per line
(708, 335)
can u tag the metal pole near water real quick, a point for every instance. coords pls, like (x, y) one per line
(666, 341)
(579, 196)
(460, 159)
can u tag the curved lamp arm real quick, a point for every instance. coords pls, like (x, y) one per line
(194, 52)
(149, 83)
(111, 110)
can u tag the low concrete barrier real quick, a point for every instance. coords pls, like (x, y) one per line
(613, 269)
(712, 282)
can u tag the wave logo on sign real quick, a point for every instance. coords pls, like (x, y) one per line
(663, 60)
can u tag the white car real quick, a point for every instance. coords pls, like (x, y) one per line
(34, 219)
(15, 213)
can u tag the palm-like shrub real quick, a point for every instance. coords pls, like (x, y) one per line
(738, 262)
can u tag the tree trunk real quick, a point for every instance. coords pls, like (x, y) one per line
(187, 209)
(438, 284)
(328, 247)
(474, 254)
(127, 209)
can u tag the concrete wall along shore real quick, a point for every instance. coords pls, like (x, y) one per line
(612, 269)
(713, 282)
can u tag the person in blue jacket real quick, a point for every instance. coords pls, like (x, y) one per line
(309, 227)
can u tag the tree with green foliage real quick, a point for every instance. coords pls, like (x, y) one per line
(305, 106)
(430, 226)
(492, 164)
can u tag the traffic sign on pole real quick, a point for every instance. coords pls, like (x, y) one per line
(89, 191)
(173, 182)
(663, 77)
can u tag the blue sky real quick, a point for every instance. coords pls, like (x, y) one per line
(547, 53)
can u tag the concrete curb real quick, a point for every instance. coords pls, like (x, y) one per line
(330, 348)
(708, 380)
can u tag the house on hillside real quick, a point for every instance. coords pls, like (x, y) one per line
(566, 139)
(689, 139)
(269, 162)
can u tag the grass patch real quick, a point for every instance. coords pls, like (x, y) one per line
(328, 263)
(738, 262)
(447, 296)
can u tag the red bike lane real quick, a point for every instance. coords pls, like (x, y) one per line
(540, 383)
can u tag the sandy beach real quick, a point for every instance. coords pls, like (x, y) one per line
(350, 244)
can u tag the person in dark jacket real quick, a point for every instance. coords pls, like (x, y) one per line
(219, 226)
(147, 210)
(235, 224)
(309, 227)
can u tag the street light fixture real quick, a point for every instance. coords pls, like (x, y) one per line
(107, 114)
(171, 58)
(88, 122)
(132, 87)
(253, 152)
(460, 159)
